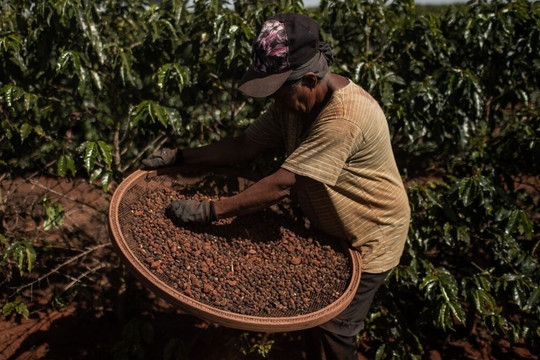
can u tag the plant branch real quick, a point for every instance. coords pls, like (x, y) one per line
(56, 269)
(61, 195)
(161, 139)
(77, 279)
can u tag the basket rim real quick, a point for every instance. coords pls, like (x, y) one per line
(205, 311)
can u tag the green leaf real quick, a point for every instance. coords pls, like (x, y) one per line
(467, 191)
(16, 306)
(175, 72)
(64, 164)
(8, 308)
(39, 130)
(485, 303)
(11, 42)
(163, 75)
(126, 61)
(54, 215)
(160, 113)
(25, 130)
(74, 58)
(155, 112)
(10, 94)
(95, 175)
(22, 253)
(106, 180)
(97, 79)
(30, 100)
(519, 221)
(457, 311)
(58, 302)
(138, 113)
(429, 283)
(105, 152)
(443, 316)
(381, 354)
(90, 29)
(533, 299)
(31, 256)
(90, 154)
(63, 61)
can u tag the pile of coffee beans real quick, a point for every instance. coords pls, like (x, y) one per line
(262, 264)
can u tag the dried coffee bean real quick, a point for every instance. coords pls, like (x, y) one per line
(263, 264)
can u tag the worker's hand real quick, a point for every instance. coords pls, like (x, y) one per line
(164, 157)
(191, 211)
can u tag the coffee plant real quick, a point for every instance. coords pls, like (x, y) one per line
(89, 88)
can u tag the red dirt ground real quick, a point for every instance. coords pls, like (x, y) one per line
(102, 312)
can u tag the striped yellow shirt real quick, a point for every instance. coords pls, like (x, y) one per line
(349, 184)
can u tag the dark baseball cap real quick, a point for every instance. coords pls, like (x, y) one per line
(285, 42)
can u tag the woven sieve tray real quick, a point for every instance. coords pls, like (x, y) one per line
(120, 213)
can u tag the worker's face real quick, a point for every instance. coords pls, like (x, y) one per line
(297, 97)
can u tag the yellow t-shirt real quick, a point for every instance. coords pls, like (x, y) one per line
(352, 187)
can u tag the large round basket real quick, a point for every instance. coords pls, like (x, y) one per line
(121, 216)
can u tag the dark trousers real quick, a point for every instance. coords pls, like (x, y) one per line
(336, 340)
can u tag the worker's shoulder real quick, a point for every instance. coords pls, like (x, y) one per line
(356, 93)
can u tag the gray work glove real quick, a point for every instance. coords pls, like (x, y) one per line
(164, 157)
(191, 211)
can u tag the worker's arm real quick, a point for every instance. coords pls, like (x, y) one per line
(224, 152)
(264, 193)
(260, 195)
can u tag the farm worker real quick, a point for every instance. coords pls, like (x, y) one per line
(339, 163)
